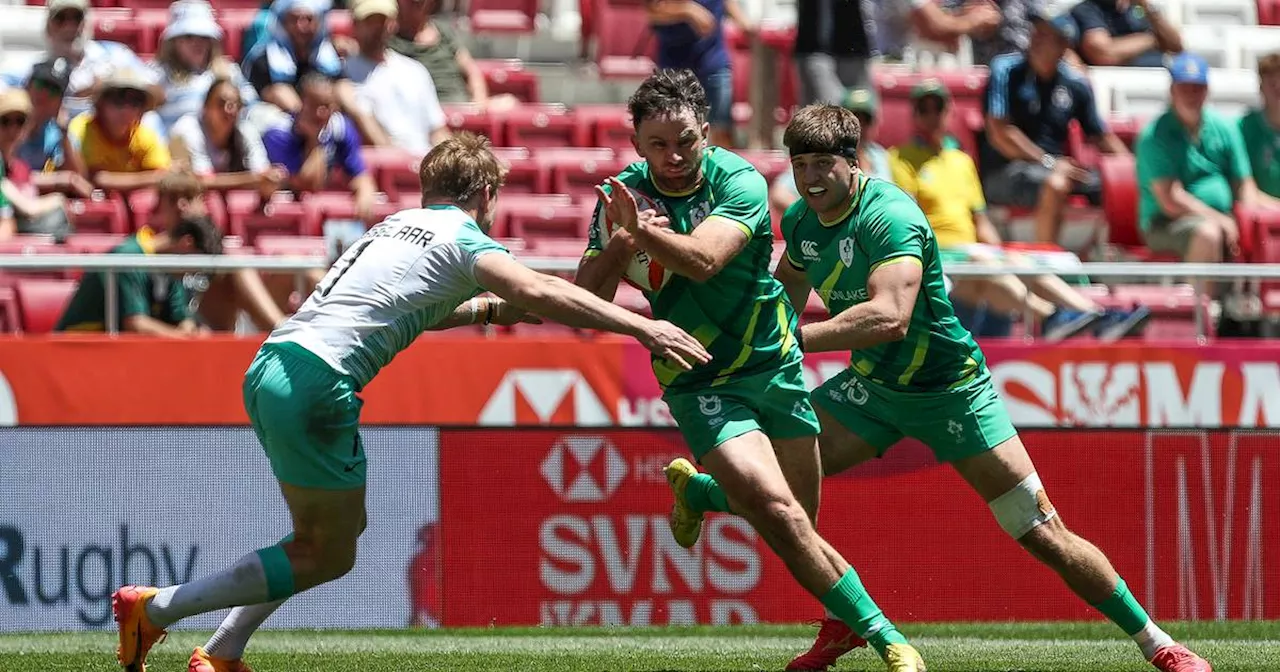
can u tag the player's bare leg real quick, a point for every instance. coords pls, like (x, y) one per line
(1006, 479)
(746, 469)
(323, 548)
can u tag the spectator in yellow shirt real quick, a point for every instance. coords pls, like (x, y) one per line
(118, 152)
(945, 183)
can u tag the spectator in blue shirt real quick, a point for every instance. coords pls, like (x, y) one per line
(47, 150)
(318, 139)
(1030, 102)
(1125, 32)
(691, 36)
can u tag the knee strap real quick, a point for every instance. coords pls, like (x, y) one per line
(1024, 508)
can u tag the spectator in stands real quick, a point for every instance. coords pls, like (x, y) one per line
(223, 151)
(1192, 170)
(1260, 129)
(221, 297)
(1030, 102)
(117, 151)
(297, 45)
(873, 158)
(395, 89)
(190, 59)
(833, 49)
(994, 27)
(149, 303)
(47, 150)
(435, 45)
(67, 32)
(944, 181)
(30, 213)
(1125, 32)
(318, 139)
(690, 36)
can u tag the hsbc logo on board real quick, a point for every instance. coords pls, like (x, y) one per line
(538, 396)
(584, 468)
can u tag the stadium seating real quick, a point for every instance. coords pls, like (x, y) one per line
(473, 118)
(99, 215)
(624, 45)
(508, 76)
(93, 243)
(394, 169)
(510, 205)
(534, 126)
(502, 16)
(10, 318)
(603, 126)
(291, 246)
(41, 302)
(577, 173)
(247, 217)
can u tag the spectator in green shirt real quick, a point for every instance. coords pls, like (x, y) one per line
(1192, 170)
(149, 303)
(1261, 131)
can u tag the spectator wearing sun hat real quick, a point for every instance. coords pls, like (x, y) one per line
(119, 152)
(190, 58)
(396, 90)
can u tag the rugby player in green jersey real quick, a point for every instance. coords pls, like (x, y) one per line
(746, 414)
(867, 249)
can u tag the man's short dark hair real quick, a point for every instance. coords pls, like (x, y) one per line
(205, 237)
(666, 93)
(823, 129)
(313, 80)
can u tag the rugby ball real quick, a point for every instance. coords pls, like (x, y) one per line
(642, 272)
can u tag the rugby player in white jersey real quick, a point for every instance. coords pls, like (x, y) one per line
(417, 270)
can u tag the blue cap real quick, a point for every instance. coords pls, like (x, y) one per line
(1188, 68)
(1062, 24)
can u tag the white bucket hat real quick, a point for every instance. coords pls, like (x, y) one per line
(192, 17)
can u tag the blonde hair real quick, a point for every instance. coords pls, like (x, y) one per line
(459, 168)
(178, 73)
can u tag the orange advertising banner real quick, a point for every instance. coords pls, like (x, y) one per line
(440, 380)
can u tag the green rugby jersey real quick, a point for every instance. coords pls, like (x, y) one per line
(884, 226)
(741, 315)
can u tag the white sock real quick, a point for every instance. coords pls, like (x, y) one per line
(1151, 639)
(243, 583)
(233, 634)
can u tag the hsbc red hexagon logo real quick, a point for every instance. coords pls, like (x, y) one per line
(584, 468)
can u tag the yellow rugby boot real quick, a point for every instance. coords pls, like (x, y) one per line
(686, 523)
(903, 658)
(137, 634)
(203, 662)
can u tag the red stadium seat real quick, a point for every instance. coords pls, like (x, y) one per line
(625, 47)
(469, 117)
(1120, 201)
(560, 248)
(340, 205)
(603, 126)
(142, 205)
(41, 302)
(570, 221)
(502, 16)
(536, 126)
(139, 32)
(339, 22)
(525, 174)
(394, 169)
(93, 243)
(100, 215)
(896, 124)
(292, 246)
(28, 244)
(1269, 12)
(508, 76)
(576, 172)
(234, 21)
(248, 217)
(510, 205)
(10, 320)
(741, 85)
(770, 163)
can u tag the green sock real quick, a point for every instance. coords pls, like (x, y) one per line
(1123, 610)
(850, 601)
(278, 570)
(704, 494)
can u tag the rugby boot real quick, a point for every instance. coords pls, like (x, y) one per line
(835, 639)
(203, 662)
(903, 658)
(1178, 658)
(137, 634)
(686, 523)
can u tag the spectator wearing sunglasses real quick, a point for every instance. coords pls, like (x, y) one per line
(118, 151)
(46, 151)
(32, 213)
(68, 36)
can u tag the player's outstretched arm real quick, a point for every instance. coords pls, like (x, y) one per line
(571, 305)
(486, 310)
(883, 318)
(795, 282)
(697, 256)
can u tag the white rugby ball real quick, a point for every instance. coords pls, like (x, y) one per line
(642, 272)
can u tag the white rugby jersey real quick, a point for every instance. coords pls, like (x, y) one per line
(404, 275)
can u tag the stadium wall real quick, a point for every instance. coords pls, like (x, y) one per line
(540, 500)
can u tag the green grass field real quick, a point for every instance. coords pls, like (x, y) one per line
(1232, 647)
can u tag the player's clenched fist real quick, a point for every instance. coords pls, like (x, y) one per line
(673, 344)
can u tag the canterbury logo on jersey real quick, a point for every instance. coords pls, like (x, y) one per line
(808, 250)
